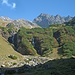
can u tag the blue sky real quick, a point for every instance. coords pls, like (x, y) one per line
(30, 9)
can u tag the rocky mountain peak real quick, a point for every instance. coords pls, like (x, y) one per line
(44, 20)
(43, 14)
(58, 16)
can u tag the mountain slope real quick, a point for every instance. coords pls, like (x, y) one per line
(23, 23)
(6, 21)
(6, 50)
(44, 20)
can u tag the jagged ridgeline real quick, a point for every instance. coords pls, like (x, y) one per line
(44, 20)
(35, 41)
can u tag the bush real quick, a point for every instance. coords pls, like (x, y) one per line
(12, 57)
(14, 63)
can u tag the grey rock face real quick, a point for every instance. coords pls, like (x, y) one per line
(44, 20)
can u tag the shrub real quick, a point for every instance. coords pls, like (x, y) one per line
(12, 57)
(14, 63)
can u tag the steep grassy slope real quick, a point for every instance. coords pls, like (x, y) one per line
(6, 50)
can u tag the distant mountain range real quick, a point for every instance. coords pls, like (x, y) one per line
(44, 20)
(6, 21)
(21, 22)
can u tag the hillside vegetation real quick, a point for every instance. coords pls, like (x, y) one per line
(43, 41)
(37, 40)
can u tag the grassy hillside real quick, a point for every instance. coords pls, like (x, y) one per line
(6, 50)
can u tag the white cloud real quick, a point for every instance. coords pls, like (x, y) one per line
(13, 5)
(5, 1)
